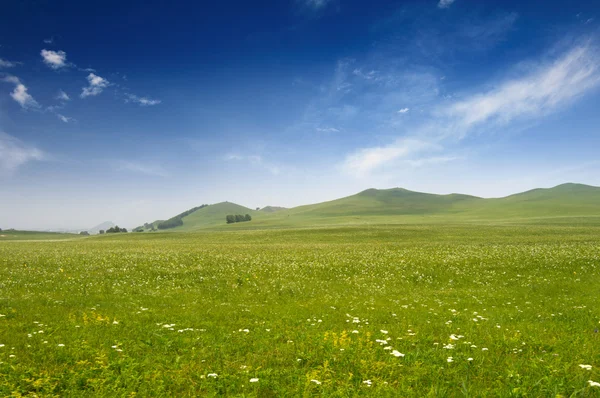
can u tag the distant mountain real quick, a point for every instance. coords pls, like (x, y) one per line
(399, 205)
(104, 226)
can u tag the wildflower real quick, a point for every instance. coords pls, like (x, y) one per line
(214, 375)
(355, 331)
(384, 331)
(61, 345)
(397, 353)
(449, 346)
(484, 349)
(469, 359)
(254, 380)
(586, 367)
(594, 383)
(450, 359)
(368, 382)
(315, 381)
(382, 342)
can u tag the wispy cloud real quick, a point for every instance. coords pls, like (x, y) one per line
(144, 101)
(255, 160)
(14, 153)
(365, 160)
(62, 96)
(20, 94)
(316, 4)
(54, 59)
(445, 3)
(96, 85)
(537, 91)
(65, 119)
(7, 64)
(403, 110)
(141, 168)
(548, 87)
(327, 130)
(49, 41)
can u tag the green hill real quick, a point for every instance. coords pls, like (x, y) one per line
(213, 215)
(401, 206)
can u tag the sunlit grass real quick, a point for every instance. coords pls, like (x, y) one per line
(380, 311)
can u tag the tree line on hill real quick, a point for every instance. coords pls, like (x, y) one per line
(114, 230)
(177, 221)
(233, 218)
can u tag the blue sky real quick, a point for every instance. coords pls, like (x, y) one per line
(135, 111)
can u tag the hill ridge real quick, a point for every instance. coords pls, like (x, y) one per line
(403, 205)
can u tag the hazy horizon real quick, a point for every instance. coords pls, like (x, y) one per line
(151, 110)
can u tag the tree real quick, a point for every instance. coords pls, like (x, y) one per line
(123, 230)
(258, 208)
(84, 233)
(247, 217)
(171, 223)
(101, 232)
(230, 219)
(239, 218)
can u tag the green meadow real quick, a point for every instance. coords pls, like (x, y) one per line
(507, 309)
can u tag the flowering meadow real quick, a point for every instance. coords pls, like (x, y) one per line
(386, 311)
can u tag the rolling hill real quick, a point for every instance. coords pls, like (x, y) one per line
(398, 206)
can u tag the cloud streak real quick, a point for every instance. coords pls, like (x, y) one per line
(547, 88)
(539, 91)
(14, 153)
(7, 64)
(316, 4)
(143, 101)
(445, 3)
(363, 161)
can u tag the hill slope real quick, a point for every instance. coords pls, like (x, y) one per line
(398, 205)
(213, 215)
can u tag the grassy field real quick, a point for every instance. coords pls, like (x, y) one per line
(386, 311)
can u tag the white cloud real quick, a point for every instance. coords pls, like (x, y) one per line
(365, 160)
(445, 3)
(403, 110)
(96, 85)
(547, 88)
(24, 99)
(65, 119)
(7, 64)
(14, 153)
(49, 41)
(327, 130)
(135, 167)
(54, 59)
(62, 96)
(20, 93)
(144, 101)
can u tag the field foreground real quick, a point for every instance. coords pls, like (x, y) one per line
(423, 310)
